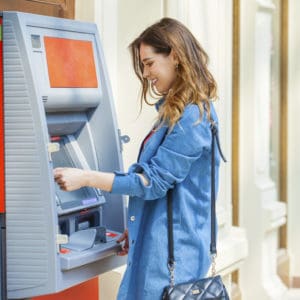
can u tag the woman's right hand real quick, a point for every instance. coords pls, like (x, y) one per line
(125, 246)
(70, 179)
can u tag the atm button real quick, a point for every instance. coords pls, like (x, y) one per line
(111, 234)
(64, 250)
(132, 218)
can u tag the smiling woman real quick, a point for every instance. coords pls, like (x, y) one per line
(176, 155)
(170, 62)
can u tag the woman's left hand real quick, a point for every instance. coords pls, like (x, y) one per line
(125, 245)
(69, 179)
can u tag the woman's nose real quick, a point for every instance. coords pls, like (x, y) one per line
(146, 73)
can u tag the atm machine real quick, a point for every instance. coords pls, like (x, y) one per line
(58, 112)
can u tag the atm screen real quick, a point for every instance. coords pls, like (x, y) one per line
(70, 63)
(68, 200)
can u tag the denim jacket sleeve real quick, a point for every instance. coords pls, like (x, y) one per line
(173, 159)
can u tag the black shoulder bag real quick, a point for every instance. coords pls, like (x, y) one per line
(211, 288)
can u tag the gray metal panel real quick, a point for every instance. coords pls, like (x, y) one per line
(29, 244)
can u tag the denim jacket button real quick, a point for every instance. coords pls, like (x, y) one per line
(132, 218)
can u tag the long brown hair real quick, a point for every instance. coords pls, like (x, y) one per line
(194, 83)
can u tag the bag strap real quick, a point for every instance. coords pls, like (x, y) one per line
(213, 247)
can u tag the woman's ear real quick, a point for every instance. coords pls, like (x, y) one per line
(174, 57)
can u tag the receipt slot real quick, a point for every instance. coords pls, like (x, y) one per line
(58, 112)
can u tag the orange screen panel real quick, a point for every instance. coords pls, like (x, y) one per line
(70, 63)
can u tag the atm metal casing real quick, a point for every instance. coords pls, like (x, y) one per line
(56, 95)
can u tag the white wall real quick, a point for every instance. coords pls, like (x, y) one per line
(120, 22)
(293, 137)
(248, 197)
(133, 17)
(211, 23)
(260, 212)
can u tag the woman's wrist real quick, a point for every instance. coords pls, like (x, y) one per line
(101, 180)
(90, 178)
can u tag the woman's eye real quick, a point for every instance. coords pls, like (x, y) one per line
(149, 64)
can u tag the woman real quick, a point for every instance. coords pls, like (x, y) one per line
(170, 63)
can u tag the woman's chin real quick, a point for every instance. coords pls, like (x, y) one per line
(158, 90)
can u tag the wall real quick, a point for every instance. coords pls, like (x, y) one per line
(293, 139)
(260, 212)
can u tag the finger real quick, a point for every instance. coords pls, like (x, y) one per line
(57, 175)
(121, 238)
(121, 253)
(126, 244)
(57, 171)
(62, 186)
(58, 180)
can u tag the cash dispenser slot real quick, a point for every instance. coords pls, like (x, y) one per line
(88, 241)
(73, 259)
(88, 218)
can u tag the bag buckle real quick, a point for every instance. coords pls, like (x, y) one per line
(213, 264)
(171, 267)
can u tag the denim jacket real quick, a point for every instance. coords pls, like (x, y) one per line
(179, 159)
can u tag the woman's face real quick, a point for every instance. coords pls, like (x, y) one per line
(159, 69)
